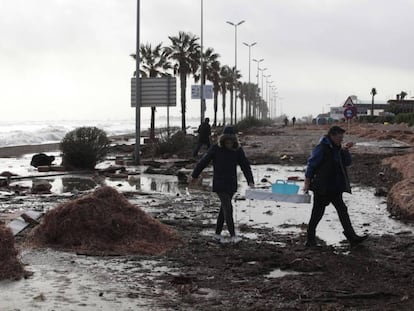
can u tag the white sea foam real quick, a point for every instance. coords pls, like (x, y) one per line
(43, 132)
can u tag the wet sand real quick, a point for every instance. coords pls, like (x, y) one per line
(16, 151)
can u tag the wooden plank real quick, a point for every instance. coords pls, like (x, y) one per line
(19, 224)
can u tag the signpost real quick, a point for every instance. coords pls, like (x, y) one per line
(350, 110)
(155, 92)
(196, 91)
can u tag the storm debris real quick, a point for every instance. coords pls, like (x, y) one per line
(10, 265)
(103, 223)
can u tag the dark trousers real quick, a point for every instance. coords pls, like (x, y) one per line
(319, 204)
(226, 213)
(199, 145)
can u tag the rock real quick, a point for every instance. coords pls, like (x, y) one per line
(41, 159)
(41, 186)
(381, 192)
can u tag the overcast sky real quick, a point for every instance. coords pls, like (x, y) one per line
(68, 59)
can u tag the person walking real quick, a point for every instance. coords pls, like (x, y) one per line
(326, 175)
(204, 132)
(225, 155)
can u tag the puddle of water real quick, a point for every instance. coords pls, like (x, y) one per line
(65, 281)
(368, 213)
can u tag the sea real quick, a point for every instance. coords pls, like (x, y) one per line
(17, 133)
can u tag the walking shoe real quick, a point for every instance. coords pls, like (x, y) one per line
(358, 240)
(217, 238)
(235, 239)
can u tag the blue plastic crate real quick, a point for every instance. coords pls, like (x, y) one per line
(283, 187)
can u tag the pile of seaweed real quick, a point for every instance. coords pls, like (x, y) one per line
(10, 265)
(103, 222)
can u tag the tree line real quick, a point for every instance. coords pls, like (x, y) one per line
(182, 58)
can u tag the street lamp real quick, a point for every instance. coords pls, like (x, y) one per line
(235, 62)
(262, 70)
(137, 91)
(258, 61)
(249, 46)
(249, 87)
(202, 81)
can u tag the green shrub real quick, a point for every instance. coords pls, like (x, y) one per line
(376, 119)
(405, 118)
(250, 122)
(84, 147)
(178, 143)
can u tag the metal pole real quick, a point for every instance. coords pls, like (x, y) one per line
(235, 66)
(138, 93)
(250, 60)
(202, 82)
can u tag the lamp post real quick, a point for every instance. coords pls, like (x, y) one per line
(268, 84)
(258, 61)
(202, 82)
(235, 62)
(250, 60)
(137, 93)
(262, 70)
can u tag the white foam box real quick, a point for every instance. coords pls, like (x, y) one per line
(267, 195)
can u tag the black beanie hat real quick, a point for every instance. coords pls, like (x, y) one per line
(229, 130)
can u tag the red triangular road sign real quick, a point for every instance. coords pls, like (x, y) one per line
(348, 102)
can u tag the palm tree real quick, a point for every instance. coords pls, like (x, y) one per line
(214, 77)
(251, 96)
(373, 93)
(154, 63)
(243, 89)
(225, 77)
(232, 84)
(184, 52)
(210, 64)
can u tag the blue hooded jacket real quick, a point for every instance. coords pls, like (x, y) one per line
(326, 168)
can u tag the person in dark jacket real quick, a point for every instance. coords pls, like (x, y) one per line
(226, 155)
(326, 175)
(204, 133)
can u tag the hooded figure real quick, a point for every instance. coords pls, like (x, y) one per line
(225, 155)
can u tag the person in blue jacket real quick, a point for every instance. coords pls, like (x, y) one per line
(225, 155)
(326, 175)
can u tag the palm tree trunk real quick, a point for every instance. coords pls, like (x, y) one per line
(372, 105)
(224, 108)
(215, 107)
(231, 106)
(152, 128)
(235, 107)
(183, 86)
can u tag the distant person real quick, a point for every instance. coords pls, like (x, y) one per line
(226, 155)
(286, 121)
(293, 121)
(327, 177)
(204, 133)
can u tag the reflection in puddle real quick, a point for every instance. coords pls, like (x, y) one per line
(368, 213)
(277, 273)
